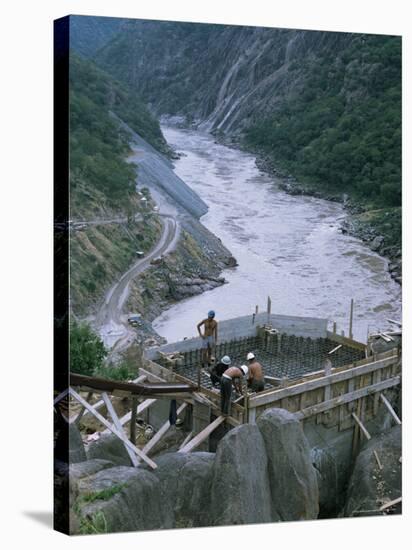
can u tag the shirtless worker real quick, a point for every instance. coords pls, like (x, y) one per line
(256, 379)
(209, 336)
(233, 375)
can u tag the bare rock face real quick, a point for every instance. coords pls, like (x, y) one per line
(240, 492)
(186, 483)
(369, 486)
(123, 499)
(108, 447)
(82, 470)
(292, 477)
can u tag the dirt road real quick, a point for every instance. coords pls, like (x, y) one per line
(109, 321)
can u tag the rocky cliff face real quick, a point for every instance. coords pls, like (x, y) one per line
(245, 71)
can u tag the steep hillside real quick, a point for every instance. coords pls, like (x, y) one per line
(103, 183)
(112, 221)
(88, 34)
(324, 106)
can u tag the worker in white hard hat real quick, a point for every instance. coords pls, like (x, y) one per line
(256, 378)
(233, 375)
(217, 371)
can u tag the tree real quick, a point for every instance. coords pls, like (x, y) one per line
(87, 351)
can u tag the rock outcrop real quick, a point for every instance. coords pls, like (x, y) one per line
(293, 480)
(76, 447)
(260, 473)
(369, 486)
(186, 480)
(124, 499)
(240, 492)
(108, 447)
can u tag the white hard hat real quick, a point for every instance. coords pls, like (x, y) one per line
(250, 355)
(226, 360)
(244, 369)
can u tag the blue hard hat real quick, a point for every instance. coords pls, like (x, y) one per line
(211, 313)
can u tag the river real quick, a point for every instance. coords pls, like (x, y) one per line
(288, 247)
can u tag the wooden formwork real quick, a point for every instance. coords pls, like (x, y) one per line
(333, 398)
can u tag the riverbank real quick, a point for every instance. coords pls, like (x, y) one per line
(379, 228)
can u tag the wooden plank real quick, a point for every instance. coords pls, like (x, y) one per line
(362, 427)
(377, 376)
(351, 320)
(348, 397)
(335, 349)
(61, 396)
(277, 394)
(378, 460)
(100, 403)
(118, 426)
(142, 407)
(186, 439)
(161, 432)
(150, 376)
(252, 416)
(204, 434)
(346, 341)
(103, 384)
(215, 407)
(133, 419)
(83, 410)
(389, 504)
(390, 409)
(101, 418)
(394, 322)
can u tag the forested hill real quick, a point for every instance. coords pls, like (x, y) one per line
(88, 34)
(324, 106)
(103, 183)
(98, 145)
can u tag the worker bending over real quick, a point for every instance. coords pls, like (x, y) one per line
(209, 336)
(256, 379)
(233, 375)
(218, 370)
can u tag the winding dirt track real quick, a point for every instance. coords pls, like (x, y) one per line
(109, 318)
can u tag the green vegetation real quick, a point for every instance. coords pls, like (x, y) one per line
(342, 132)
(95, 525)
(88, 354)
(104, 494)
(123, 371)
(99, 254)
(98, 143)
(103, 183)
(87, 351)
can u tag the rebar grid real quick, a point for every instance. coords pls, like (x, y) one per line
(281, 356)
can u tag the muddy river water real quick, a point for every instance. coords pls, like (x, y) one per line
(288, 247)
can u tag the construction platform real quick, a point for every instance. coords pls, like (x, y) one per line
(316, 374)
(283, 357)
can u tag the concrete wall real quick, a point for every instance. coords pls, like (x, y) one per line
(242, 327)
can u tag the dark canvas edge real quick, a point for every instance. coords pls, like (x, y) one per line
(61, 270)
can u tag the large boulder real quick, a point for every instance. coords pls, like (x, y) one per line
(85, 469)
(369, 486)
(123, 499)
(292, 477)
(186, 479)
(76, 447)
(240, 487)
(109, 447)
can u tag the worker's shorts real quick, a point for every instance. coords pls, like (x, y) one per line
(208, 341)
